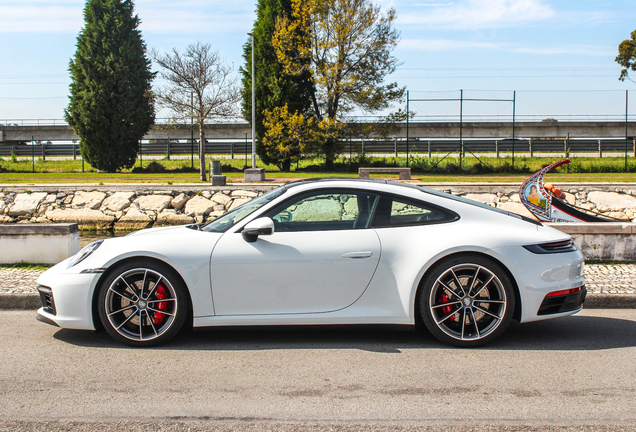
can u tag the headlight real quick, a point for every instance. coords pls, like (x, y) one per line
(84, 253)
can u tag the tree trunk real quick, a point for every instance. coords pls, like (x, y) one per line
(329, 154)
(286, 165)
(329, 164)
(202, 152)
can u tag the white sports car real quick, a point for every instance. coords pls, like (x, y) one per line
(326, 251)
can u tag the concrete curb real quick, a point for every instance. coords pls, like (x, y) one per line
(593, 301)
(20, 302)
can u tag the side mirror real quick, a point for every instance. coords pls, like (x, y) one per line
(257, 227)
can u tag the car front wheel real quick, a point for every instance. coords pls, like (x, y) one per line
(142, 303)
(467, 301)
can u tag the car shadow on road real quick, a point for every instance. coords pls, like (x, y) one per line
(561, 334)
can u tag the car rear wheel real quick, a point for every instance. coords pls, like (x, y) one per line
(143, 304)
(467, 301)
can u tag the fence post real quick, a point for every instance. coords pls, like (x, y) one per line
(395, 146)
(634, 146)
(44, 152)
(168, 149)
(232, 149)
(407, 128)
(497, 148)
(530, 146)
(565, 145)
(429, 149)
(74, 152)
(600, 149)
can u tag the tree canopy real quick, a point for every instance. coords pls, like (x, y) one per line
(346, 46)
(199, 85)
(627, 56)
(111, 106)
(274, 88)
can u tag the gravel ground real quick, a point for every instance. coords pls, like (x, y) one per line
(600, 279)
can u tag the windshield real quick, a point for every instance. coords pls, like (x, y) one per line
(224, 222)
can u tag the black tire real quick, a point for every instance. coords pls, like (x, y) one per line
(467, 300)
(142, 303)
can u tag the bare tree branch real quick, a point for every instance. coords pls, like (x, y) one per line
(199, 85)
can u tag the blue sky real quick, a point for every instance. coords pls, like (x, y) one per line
(505, 45)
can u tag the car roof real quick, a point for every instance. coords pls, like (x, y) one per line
(349, 179)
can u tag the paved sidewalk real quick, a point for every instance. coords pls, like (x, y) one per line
(609, 286)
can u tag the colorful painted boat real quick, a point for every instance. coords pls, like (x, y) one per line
(547, 203)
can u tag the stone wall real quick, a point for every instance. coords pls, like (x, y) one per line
(129, 207)
(113, 208)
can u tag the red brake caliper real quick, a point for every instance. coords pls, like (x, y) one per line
(447, 309)
(160, 293)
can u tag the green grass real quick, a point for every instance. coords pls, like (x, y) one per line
(436, 169)
(27, 266)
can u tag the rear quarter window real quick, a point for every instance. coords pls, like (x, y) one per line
(395, 211)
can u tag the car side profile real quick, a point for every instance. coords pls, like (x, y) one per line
(324, 251)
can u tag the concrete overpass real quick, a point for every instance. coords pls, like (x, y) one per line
(440, 130)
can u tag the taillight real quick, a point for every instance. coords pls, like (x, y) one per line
(564, 292)
(551, 248)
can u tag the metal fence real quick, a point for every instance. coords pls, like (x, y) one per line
(396, 147)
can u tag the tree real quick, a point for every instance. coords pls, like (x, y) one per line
(273, 87)
(111, 107)
(346, 46)
(287, 136)
(199, 85)
(627, 56)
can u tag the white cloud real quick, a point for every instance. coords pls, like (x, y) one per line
(471, 14)
(444, 45)
(460, 45)
(33, 18)
(157, 16)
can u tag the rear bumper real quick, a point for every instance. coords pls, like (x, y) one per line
(563, 303)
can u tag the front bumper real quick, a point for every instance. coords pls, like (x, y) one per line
(67, 298)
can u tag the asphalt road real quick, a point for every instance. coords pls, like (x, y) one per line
(575, 373)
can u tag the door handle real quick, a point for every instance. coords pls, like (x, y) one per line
(360, 254)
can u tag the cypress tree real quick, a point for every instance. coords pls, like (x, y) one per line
(111, 106)
(274, 88)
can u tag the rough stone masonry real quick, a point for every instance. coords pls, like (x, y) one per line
(131, 207)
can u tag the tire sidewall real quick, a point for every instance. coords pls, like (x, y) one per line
(183, 303)
(441, 267)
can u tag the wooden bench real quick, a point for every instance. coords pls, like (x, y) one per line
(405, 173)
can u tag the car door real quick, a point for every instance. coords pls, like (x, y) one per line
(320, 258)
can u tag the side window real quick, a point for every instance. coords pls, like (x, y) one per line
(335, 210)
(394, 211)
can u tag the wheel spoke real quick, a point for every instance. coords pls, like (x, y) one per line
(130, 299)
(446, 304)
(484, 286)
(143, 285)
(458, 283)
(154, 287)
(152, 324)
(141, 324)
(463, 322)
(445, 317)
(122, 309)
(472, 283)
(132, 290)
(449, 289)
(472, 315)
(160, 311)
(487, 312)
(131, 316)
(161, 300)
(490, 301)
